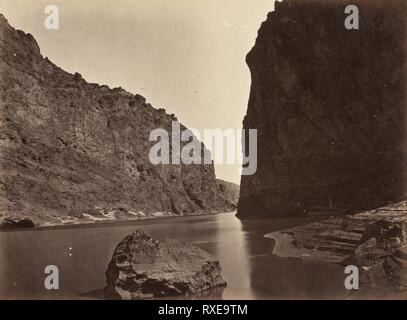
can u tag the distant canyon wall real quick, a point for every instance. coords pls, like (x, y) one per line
(329, 105)
(73, 150)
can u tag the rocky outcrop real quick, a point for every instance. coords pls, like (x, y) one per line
(73, 151)
(142, 268)
(374, 241)
(229, 191)
(329, 106)
(17, 223)
(341, 237)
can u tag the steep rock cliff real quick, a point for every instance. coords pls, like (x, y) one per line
(75, 151)
(329, 106)
(229, 191)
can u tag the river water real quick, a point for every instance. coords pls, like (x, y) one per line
(82, 253)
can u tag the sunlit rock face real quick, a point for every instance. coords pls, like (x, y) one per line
(73, 151)
(329, 106)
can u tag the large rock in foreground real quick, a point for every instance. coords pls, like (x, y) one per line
(329, 106)
(143, 268)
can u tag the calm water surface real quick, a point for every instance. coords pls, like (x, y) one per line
(248, 265)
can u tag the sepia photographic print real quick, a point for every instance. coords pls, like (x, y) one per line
(210, 150)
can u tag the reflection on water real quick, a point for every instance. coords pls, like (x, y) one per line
(232, 253)
(272, 277)
(82, 255)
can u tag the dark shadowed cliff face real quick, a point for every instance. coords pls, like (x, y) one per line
(72, 150)
(329, 106)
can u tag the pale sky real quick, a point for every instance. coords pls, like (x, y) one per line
(187, 56)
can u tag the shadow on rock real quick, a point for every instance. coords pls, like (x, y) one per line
(144, 268)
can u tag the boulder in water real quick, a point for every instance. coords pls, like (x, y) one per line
(143, 268)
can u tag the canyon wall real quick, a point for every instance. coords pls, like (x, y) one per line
(229, 191)
(329, 106)
(72, 151)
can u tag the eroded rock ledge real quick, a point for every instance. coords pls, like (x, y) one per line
(375, 241)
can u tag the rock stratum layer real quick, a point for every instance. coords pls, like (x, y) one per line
(143, 268)
(329, 106)
(72, 151)
(375, 241)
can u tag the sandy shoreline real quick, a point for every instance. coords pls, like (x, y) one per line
(284, 248)
(113, 223)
